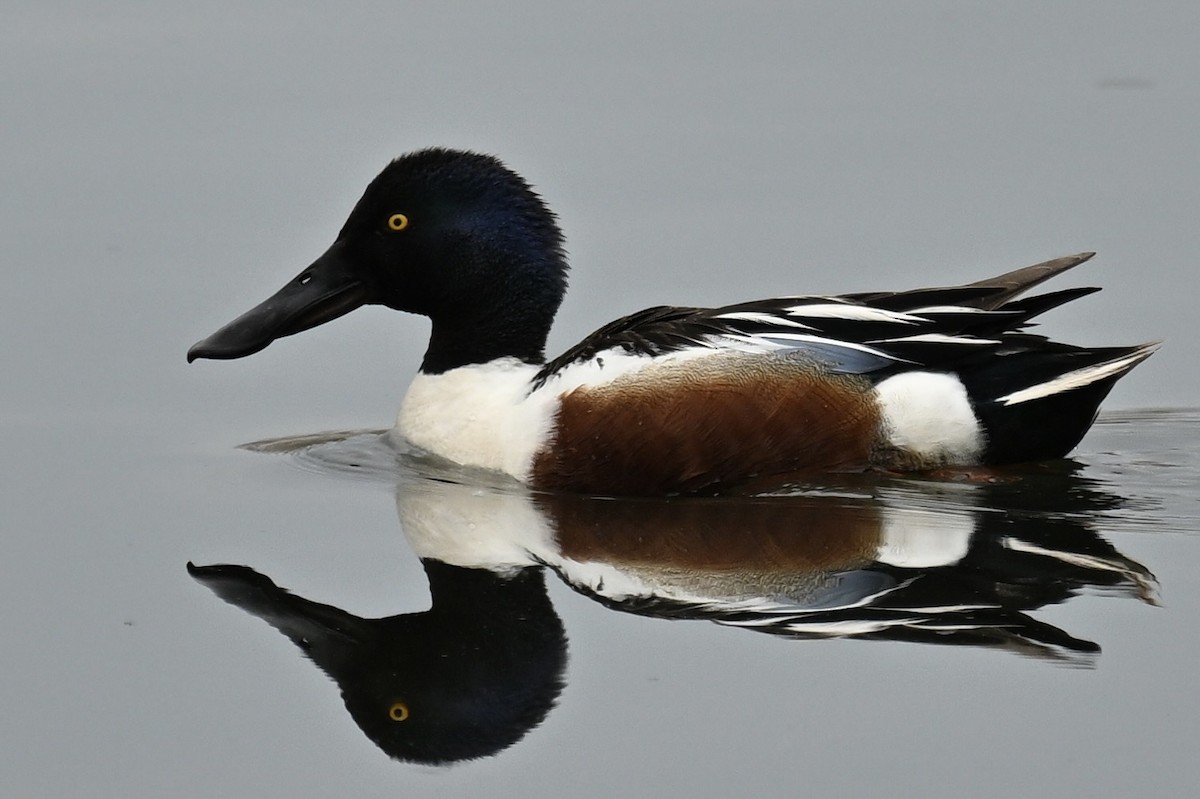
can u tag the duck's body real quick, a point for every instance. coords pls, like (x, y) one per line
(680, 400)
(684, 400)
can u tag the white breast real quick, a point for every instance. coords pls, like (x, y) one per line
(480, 415)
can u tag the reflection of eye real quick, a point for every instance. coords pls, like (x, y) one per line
(398, 711)
(397, 221)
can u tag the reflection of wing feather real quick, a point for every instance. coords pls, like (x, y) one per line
(980, 625)
(945, 605)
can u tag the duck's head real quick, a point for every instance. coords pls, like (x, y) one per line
(453, 235)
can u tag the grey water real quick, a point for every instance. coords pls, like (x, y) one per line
(165, 167)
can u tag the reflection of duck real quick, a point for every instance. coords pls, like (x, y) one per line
(679, 400)
(920, 562)
(464, 679)
(939, 563)
(852, 573)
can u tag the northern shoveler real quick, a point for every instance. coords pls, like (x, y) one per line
(679, 400)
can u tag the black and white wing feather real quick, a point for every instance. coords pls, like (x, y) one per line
(868, 334)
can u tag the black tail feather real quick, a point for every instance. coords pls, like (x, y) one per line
(1038, 403)
(1041, 303)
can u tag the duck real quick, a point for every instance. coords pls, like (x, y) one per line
(680, 400)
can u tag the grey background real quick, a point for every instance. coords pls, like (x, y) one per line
(167, 165)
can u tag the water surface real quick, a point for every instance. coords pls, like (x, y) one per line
(165, 166)
(984, 619)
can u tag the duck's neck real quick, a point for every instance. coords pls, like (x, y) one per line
(497, 319)
(505, 291)
(466, 340)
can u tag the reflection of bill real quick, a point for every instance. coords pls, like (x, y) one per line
(935, 563)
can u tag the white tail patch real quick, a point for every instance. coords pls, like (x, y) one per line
(929, 415)
(1078, 378)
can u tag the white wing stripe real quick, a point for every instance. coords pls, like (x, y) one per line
(777, 338)
(853, 313)
(936, 338)
(1077, 378)
(955, 309)
(764, 318)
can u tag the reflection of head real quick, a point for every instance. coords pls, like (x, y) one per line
(478, 671)
(465, 679)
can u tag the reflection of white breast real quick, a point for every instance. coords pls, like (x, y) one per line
(472, 526)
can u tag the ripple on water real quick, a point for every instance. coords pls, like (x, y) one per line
(1138, 469)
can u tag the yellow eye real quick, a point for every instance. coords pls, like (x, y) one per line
(397, 222)
(398, 711)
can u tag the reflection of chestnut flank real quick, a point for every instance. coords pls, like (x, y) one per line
(788, 535)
